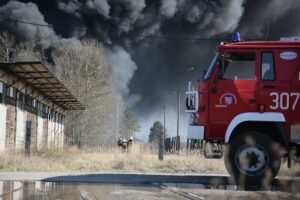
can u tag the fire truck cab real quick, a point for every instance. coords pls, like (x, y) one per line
(249, 100)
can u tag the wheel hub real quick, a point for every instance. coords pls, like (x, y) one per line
(252, 160)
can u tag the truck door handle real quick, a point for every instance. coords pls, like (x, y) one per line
(269, 86)
(251, 101)
(213, 90)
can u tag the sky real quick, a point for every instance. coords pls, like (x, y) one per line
(151, 44)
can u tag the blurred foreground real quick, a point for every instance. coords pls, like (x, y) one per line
(51, 190)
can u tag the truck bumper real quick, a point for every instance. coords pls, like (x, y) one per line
(195, 132)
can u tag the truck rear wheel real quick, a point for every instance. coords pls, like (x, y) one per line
(252, 159)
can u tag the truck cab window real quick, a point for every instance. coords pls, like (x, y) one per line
(267, 67)
(238, 66)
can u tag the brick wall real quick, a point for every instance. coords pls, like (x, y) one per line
(10, 127)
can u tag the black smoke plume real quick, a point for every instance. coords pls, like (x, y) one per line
(151, 43)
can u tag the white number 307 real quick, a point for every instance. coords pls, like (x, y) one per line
(282, 100)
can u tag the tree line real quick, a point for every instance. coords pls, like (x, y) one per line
(157, 131)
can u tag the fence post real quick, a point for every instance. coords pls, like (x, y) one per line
(160, 147)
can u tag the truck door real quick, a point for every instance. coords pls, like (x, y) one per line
(233, 90)
(273, 87)
(294, 111)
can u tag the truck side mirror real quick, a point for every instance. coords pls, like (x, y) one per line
(221, 66)
(221, 62)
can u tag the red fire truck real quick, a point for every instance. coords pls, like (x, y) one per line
(249, 101)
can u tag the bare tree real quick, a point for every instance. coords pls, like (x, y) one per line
(27, 51)
(7, 43)
(85, 70)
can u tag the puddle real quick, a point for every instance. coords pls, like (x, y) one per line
(15, 190)
(39, 190)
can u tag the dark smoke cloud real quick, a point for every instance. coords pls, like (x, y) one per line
(261, 14)
(123, 67)
(70, 7)
(74, 7)
(168, 8)
(146, 66)
(43, 35)
(29, 12)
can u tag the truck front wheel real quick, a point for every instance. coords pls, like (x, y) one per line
(252, 159)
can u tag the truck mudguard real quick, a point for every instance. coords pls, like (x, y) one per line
(252, 116)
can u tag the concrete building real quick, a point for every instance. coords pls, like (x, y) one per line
(32, 106)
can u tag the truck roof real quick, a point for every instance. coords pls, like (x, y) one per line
(261, 45)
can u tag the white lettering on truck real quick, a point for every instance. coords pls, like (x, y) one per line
(282, 100)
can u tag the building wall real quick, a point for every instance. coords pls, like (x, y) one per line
(1, 187)
(55, 131)
(51, 128)
(20, 133)
(62, 135)
(14, 115)
(7, 187)
(18, 193)
(2, 126)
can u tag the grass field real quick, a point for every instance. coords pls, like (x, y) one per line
(140, 158)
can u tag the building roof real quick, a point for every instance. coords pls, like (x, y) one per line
(38, 76)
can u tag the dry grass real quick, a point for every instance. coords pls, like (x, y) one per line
(141, 158)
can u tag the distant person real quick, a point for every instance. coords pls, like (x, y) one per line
(130, 141)
(119, 141)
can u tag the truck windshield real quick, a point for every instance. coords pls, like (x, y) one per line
(211, 67)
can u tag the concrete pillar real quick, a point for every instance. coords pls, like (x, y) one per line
(20, 129)
(40, 128)
(45, 131)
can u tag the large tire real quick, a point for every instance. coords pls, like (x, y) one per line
(252, 159)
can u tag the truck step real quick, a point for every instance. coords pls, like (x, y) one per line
(213, 156)
(295, 146)
(213, 150)
(295, 142)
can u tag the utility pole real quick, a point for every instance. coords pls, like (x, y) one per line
(177, 144)
(164, 136)
(178, 115)
(160, 146)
